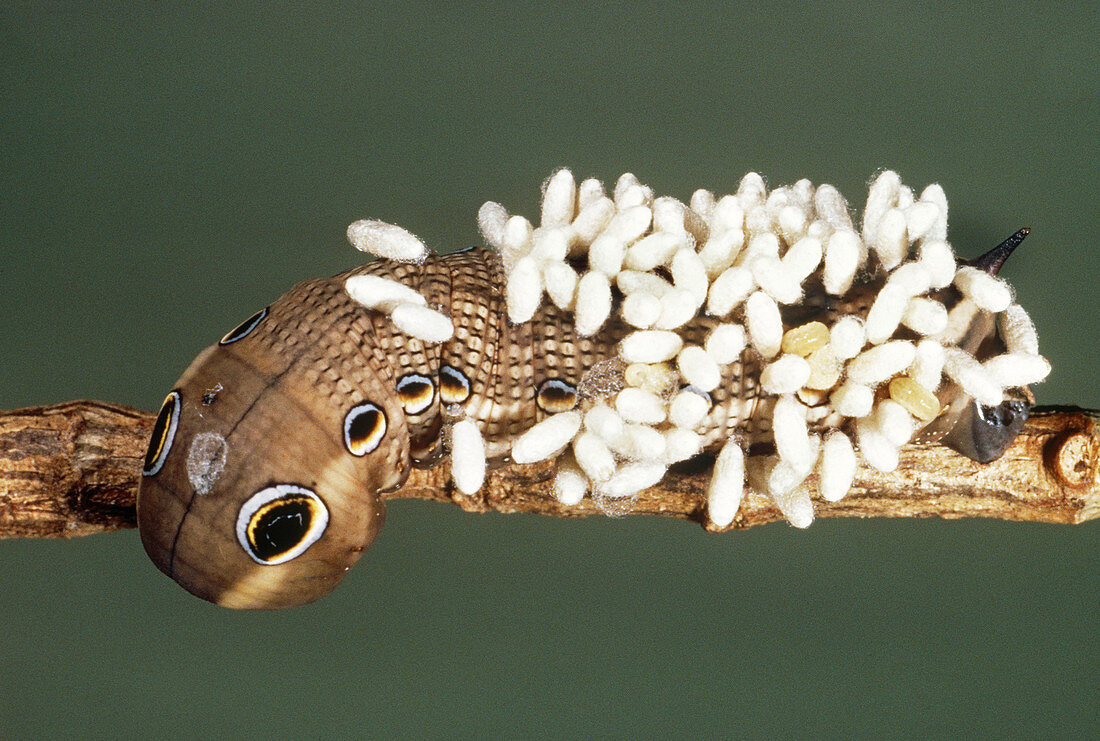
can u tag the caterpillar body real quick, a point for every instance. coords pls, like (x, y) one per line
(759, 329)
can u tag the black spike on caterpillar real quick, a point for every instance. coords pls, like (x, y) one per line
(624, 334)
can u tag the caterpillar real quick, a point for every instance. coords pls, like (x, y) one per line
(624, 334)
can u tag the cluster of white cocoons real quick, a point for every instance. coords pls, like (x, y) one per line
(841, 392)
(406, 308)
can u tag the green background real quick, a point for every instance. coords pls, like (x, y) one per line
(168, 170)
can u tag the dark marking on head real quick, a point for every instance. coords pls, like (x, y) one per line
(416, 392)
(245, 328)
(364, 428)
(555, 395)
(454, 386)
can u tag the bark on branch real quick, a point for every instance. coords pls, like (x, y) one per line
(72, 469)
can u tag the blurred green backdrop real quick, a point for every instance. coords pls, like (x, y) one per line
(167, 170)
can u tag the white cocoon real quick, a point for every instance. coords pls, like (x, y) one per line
(381, 294)
(727, 484)
(650, 346)
(467, 456)
(421, 322)
(546, 438)
(387, 241)
(838, 466)
(764, 323)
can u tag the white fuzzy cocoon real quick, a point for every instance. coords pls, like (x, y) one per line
(725, 343)
(847, 337)
(381, 294)
(681, 444)
(764, 324)
(387, 241)
(785, 375)
(921, 218)
(594, 457)
(1017, 369)
(421, 322)
(523, 291)
(467, 456)
(491, 218)
(728, 215)
(792, 223)
(853, 400)
(939, 259)
(803, 258)
(641, 310)
(638, 405)
(550, 244)
(891, 243)
(570, 484)
(558, 198)
(893, 422)
(654, 250)
(934, 194)
(688, 409)
(796, 506)
(838, 466)
(963, 369)
(650, 346)
(792, 440)
(588, 192)
(875, 448)
(633, 478)
(831, 206)
(763, 244)
(729, 289)
(881, 197)
(678, 307)
(719, 252)
(606, 254)
(517, 238)
(886, 313)
(925, 316)
(843, 256)
(546, 438)
(751, 191)
(689, 274)
(630, 224)
(1019, 331)
(702, 202)
(879, 363)
(927, 368)
(640, 442)
(727, 484)
(698, 368)
(668, 214)
(603, 421)
(912, 278)
(775, 279)
(987, 291)
(593, 218)
(635, 281)
(593, 303)
(561, 284)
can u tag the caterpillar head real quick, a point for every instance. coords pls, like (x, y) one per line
(261, 483)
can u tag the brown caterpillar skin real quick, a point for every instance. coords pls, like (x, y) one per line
(271, 409)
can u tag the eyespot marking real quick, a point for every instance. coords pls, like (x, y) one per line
(364, 428)
(555, 395)
(244, 328)
(280, 522)
(454, 386)
(164, 431)
(416, 392)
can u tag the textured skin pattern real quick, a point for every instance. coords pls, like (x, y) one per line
(504, 362)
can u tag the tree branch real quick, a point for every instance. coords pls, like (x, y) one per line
(72, 469)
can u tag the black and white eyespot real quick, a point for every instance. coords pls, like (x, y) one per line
(454, 386)
(416, 392)
(244, 328)
(280, 522)
(364, 428)
(164, 431)
(555, 395)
